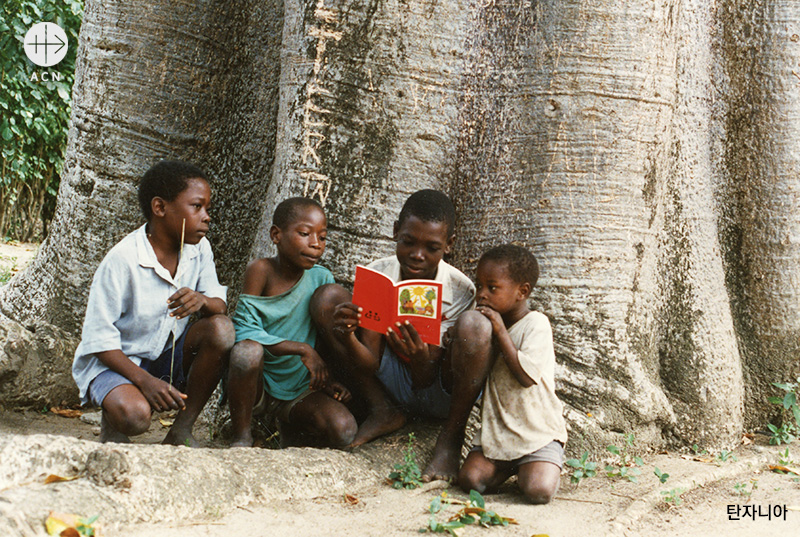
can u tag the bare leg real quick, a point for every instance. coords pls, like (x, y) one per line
(382, 416)
(482, 474)
(245, 384)
(126, 413)
(205, 349)
(320, 420)
(466, 365)
(539, 481)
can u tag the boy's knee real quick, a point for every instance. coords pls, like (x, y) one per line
(246, 358)
(537, 493)
(469, 478)
(342, 430)
(326, 298)
(473, 325)
(219, 331)
(132, 418)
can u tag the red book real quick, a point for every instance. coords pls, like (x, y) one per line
(385, 303)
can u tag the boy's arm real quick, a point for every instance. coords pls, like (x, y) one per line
(366, 347)
(506, 346)
(310, 358)
(208, 297)
(161, 395)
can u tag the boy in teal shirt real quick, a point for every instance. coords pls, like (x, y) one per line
(274, 365)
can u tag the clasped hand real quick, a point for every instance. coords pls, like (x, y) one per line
(162, 395)
(185, 302)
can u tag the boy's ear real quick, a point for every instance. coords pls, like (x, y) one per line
(525, 289)
(275, 234)
(448, 247)
(158, 206)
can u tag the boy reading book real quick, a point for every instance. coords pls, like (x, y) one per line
(396, 373)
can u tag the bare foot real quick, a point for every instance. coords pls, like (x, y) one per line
(110, 434)
(378, 424)
(243, 441)
(444, 463)
(180, 438)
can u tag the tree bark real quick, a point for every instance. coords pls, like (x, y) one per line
(645, 151)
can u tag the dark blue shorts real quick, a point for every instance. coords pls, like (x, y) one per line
(106, 381)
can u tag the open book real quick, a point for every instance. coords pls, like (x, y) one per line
(385, 303)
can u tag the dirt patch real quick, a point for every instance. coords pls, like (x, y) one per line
(368, 506)
(15, 256)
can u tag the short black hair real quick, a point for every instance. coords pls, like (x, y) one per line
(521, 263)
(166, 180)
(287, 210)
(429, 206)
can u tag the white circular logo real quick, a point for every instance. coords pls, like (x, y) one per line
(46, 44)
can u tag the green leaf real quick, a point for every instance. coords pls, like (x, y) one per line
(789, 400)
(476, 499)
(7, 134)
(613, 449)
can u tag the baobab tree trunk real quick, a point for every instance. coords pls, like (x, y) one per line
(645, 151)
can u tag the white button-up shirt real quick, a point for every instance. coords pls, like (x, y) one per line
(127, 308)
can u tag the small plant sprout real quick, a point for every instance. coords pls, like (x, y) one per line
(789, 429)
(697, 451)
(473, 512)
(662, 476)
(407, 474)
(672, 497)
(626, 468)
(784, 458)
(583, 468)
(743, 490)
(725, 456)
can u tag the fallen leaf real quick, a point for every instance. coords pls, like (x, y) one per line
(52, 478)
(66, 412)
(696, 459)
(57, 523)
(787, 469)
(166, 423)
(66, 525)
(747, 439)
(349, 499)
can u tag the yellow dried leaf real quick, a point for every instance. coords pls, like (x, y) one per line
(52, 478)
(66, 412)
(349, 499)
(786, 469)
(58, 522)
(166, 423)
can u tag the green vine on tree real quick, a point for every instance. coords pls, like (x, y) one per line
(34, 116)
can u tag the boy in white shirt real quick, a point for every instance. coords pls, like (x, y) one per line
(522, 427)
(136, 353)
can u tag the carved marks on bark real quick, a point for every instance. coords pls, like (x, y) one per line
(317, 184)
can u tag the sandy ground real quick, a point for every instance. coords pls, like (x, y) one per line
(14, 256)
(713, 492)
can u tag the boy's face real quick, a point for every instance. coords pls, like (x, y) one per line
(495, 289)
(302, 242)
(420, 247)
(192, 204)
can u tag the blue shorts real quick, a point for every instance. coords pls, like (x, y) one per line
(106, 381)
(432, 401)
